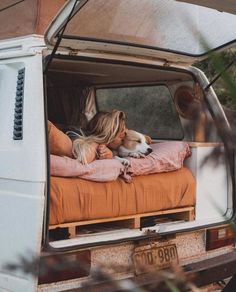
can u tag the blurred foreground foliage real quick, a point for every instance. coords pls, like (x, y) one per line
(210, 68)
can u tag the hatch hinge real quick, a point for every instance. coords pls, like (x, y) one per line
(73, 52)
(166, 63)
(59, 38)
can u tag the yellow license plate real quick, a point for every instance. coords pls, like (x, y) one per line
(147, 258)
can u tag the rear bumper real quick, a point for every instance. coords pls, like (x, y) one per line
(201, 273)
(212, 270)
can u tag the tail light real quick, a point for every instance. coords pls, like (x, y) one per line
(219, 237)
(61, 267)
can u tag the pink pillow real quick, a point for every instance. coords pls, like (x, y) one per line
(67, 167)
(104, 170)
(98, 170)
(166, 156)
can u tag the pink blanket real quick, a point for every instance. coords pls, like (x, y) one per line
(166, 156)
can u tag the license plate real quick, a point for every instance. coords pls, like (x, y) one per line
(147, 258)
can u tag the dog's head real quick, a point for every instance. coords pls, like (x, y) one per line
(134, 143)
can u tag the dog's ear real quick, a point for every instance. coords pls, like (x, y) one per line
(148, 139)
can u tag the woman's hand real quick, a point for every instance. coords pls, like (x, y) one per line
(104, 152)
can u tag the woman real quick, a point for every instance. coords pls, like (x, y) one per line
(103, 134)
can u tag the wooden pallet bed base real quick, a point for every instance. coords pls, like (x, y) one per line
(131, 221)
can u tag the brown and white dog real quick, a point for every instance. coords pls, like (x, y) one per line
(134, 145)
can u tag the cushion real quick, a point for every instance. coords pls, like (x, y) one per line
(166, 156)
(99, 170)
(59, 143)
(67, 167)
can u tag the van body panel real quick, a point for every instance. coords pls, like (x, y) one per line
(22, 234)
(208, 271)
(21, 46)
(192, 31)
(30, 151)
(10, 282)
(21, 242)
(117, 258)
(22, 171)
(94, 62)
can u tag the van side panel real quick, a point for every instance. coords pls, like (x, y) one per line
(22, 168)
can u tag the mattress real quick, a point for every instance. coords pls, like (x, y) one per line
(76, 199)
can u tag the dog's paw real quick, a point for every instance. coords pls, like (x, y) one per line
(125, 162)
(136, 155)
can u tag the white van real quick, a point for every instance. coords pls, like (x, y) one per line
(134, 56)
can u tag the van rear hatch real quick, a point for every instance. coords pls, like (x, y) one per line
(170, 30)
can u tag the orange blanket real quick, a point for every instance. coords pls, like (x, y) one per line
(75, 199)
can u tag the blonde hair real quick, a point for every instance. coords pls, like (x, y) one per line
(105, 126)
(84, 151)
(102, 129)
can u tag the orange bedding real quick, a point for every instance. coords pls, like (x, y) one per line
(75, 199)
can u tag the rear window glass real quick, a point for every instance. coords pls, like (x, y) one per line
(149, 109)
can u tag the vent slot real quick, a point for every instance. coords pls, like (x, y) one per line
(18, 115)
